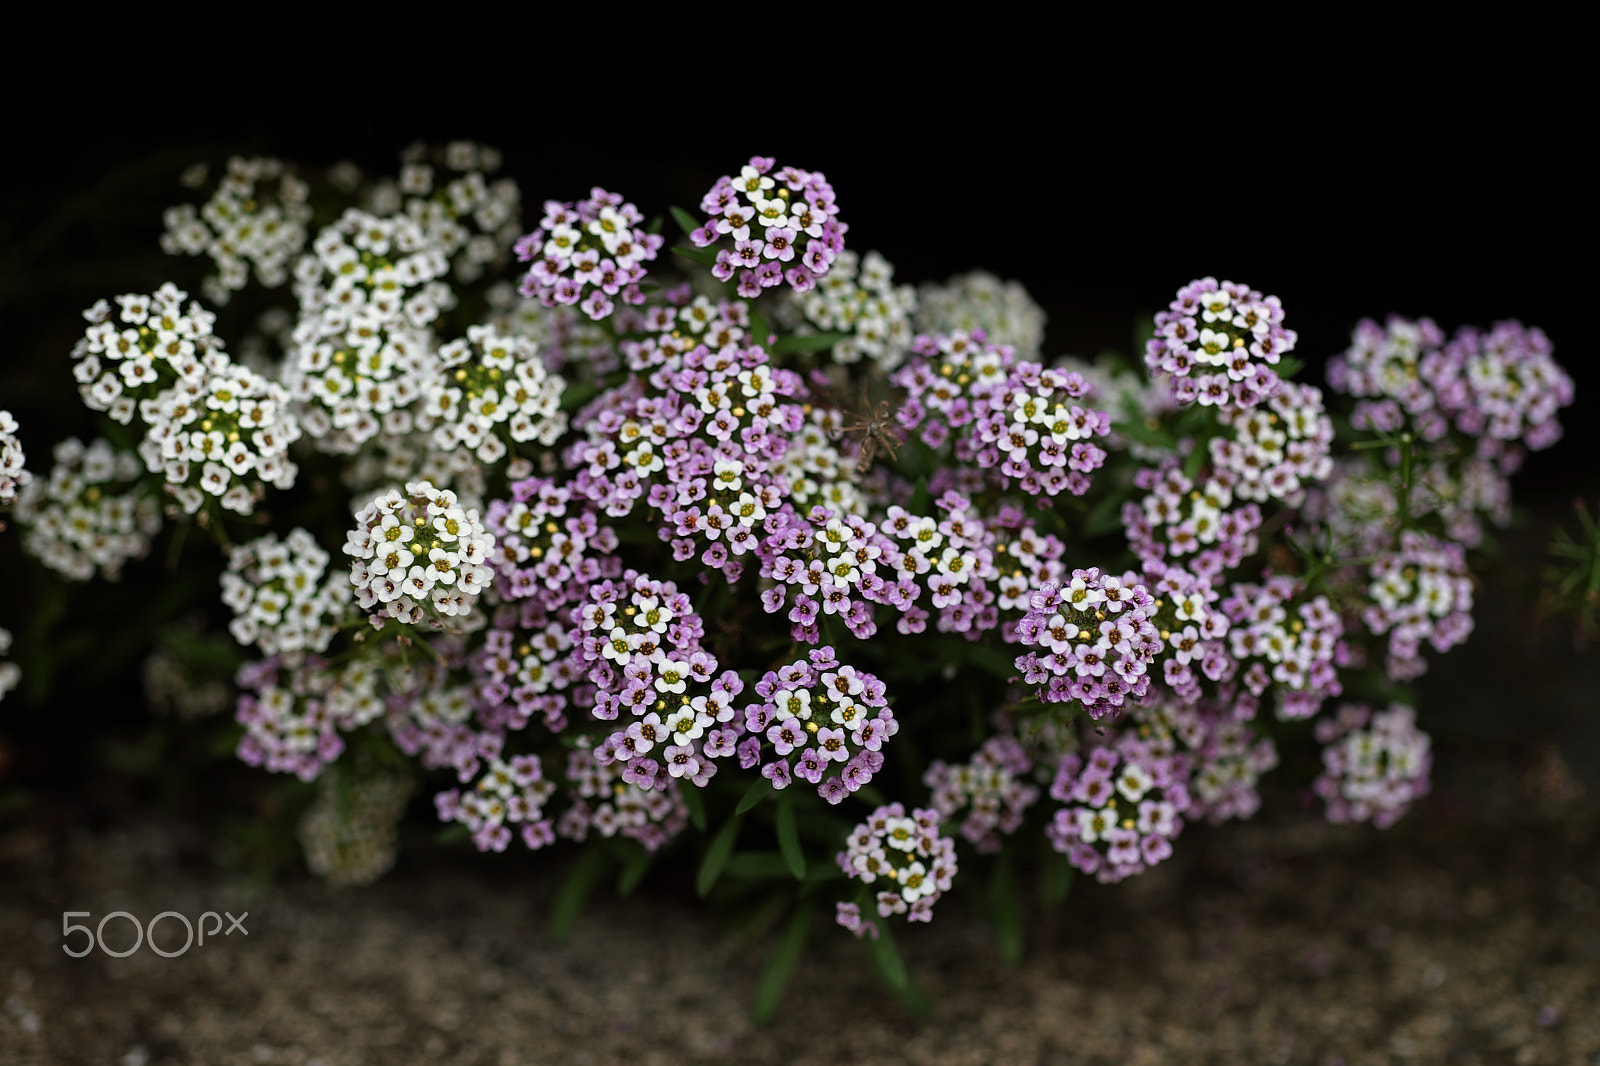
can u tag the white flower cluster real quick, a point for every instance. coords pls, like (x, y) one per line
(244, 224)
(979, 300)
(814, 469)
(77, 521)
(1278, 447)
(493, 380)
(148, 343)
(417, 554)
(278, 595)
(450, 209)
(10, 673)
(214, 427)
(12, 474)
(351, 834)
(361, 352)
(858, 296)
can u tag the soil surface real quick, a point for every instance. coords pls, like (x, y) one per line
(1456, 937)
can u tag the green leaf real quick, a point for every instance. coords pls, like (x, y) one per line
(779, 968)
(574, 891)
(921, 498)
(995, 662)
(759, 790)
(1144, 433)
(684, 220)
(760, 328)
(1005, 913)
(633, 871)
(789, 838)
(696, 805)
(655, 225)
(704, 256)
(452, 834)
(807, 342)
(716, 856)
(757, 866)
(1057, 881)
(1289, 366)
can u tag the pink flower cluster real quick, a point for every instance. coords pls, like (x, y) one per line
(1122, 807)
(821, 721)
(1096, 641)
(1375, 765)
(1421, 591)
(992, 783)
(760, 217)
(905, 851)
(587, 252)
(1220, 341)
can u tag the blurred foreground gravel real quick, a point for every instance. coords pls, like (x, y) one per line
(1448, 939)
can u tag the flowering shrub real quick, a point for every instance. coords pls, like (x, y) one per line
(627, 561)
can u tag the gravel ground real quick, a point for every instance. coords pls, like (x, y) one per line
(1448, 939)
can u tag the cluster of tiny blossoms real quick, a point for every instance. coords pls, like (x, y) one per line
(489, 381)
(1122, 807)
(587, 252)
(12, 474)
(1225, 759)
(10, 672)
(1177, 519)
(907, 852)
(247, 223)
(605, 801)
(1374, 765)
(1419, 592)
(992, 783)
(821, 721)
(1219, 341)
(859, 297)
(361, 354)
(293, 723)
(278, 595)
(1095, 638)
(1501, 386)
(785, 208)
(1278, 448)
(1288, 640)
(511, 792)
(980, 301)
(77, 521)
(1021, 420)
(449, 211)
(417, 554)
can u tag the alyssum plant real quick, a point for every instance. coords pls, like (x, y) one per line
(746, 544)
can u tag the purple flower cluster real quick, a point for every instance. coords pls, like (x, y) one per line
(1289, 641)
(1225, 759)
(510, 793)
(587, 252)
(994, 786)
(1278, 448)
(1372, 772)
(610, 804)
(907, 852)
(641, 640)
(821, 721)
(1178, 519)
(1096, 641)
(1018, 419)
(1220, 341)
(293, 725)
(760, 218)
(1122, 807)
(1420, 591)
(1501, 386)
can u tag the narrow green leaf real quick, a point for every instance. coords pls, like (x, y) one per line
(757, 866)
(655, 225)
(716, 856)
(633, 871)
(574, 891)
(789, 838)
(807, 342)
(1006, 913)
(695, 803)
(704, 256)
(684, 219)
(759, 790)
(1057, 881)
(1145, 433)
(921, 498)
(997, 663)
(451, 834)
(1289, 366)
(779, 968)
(886, 957)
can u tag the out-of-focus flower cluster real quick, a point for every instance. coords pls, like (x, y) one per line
(980, 301)
(1375, 765)
(13, 475)
(86, 516)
